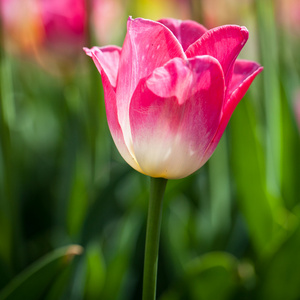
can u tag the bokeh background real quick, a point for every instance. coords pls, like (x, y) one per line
(73, 213)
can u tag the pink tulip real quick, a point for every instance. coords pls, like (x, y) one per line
(171, 90)
(58, 24)
(288, 16)
(64, 24)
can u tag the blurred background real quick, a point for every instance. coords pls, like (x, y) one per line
(73, 213)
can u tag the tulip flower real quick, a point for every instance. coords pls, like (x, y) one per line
(64, 24)
(59, 24)
(51, 31)
(170, 92)
(288, 16)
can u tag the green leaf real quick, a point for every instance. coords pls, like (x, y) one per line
(259, 209)
(118, 267)
(96, 271)
(34, 281)
(280, 276)
(211, 276)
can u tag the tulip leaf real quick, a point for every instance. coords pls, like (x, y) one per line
(249, 173)
(34, 281)
(291, 150)
(280, 276)
(211, 276)
(59, 286)
(118, 266)
(95, 271)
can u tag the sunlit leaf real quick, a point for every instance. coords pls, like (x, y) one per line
(34, 281)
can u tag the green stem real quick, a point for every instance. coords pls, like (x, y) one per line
(157, 189)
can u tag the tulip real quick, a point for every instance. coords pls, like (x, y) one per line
(171, 90)
(22, 29)
(288, 16)
(59, 24)
(51, 31)
(64, 24)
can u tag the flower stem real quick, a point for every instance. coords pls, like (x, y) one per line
(157, 189)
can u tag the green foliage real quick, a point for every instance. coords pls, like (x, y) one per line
(33, 282)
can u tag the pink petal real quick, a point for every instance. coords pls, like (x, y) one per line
(187, 32)
(174, 114)
(243, 75)
(243, 71)
(103, 57)
(224, 43)
(147, 45)
(106, 60)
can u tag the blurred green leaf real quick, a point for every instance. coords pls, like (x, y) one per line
(34, 281)
(280, 276)
(213, 276)
(290, 132)
(96, 272)
(104, 208)
(79, 199)
(271, 93)
(220, 189)
(58, 287)
(249, 173)
(118, 266)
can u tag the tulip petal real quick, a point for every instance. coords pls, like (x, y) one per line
(107, 60)
(243, 75)
(187, 32)
(239, 84)
(224, 43)
(174, 114)
(147, 45)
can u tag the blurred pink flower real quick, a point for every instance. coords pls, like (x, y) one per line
(22, 24)
(50, 23)
(107, 17)
(53, 31)
(64, 23)
(288, 13)
(171, 90)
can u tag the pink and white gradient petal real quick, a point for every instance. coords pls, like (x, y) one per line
(173, 119)
(243, 74)
(106, 60)
(239, 84)
(224, 43)
(147, 45)
(187, 32)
